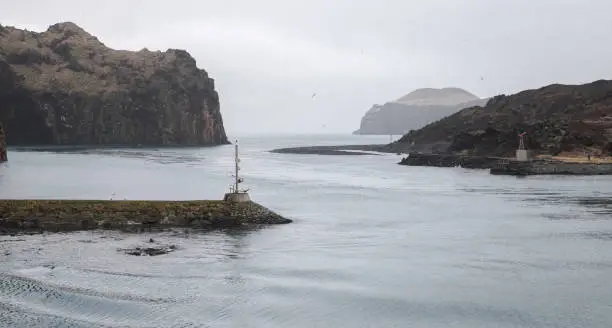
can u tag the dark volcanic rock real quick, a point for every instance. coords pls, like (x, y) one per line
(149, 251)
(557, 118)
(551, 167)
(448, 160)
(328, 150)
(65, 87)
(3, 156)
(416, 110)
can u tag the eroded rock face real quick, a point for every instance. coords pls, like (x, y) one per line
(64, 86)
(416, 110)
(3, 156)
(557, 119)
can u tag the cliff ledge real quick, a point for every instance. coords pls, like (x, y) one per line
(3, 156)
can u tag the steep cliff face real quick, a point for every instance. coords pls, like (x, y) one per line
(416, 110)
(64, 87)
(557, 118)
(3, 156)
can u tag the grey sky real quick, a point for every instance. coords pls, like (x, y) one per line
(269, 56)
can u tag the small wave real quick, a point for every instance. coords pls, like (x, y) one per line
(13, 285)
(20, 316)
(43, 299)
(144, 275)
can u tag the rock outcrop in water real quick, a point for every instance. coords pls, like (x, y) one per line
(65, 87)
(3, 156)
(557, 119)
(416, 110)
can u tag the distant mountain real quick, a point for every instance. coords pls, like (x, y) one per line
(415, 110)
(557, 118)
(437, 97)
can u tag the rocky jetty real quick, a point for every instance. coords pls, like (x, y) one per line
(416, 110)
(557, 119)
(3, 156)
(65, 87)
(449, 160)
(28, 215)
(551, 167)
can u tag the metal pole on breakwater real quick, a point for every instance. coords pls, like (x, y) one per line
(237, 168)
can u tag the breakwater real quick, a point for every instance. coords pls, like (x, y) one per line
(449, 160)
(541, 167)
(129, 215)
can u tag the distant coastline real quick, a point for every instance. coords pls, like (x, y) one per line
(496, 165)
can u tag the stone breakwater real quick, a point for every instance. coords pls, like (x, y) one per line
(448, 160)
(539, 167)
(31, 216)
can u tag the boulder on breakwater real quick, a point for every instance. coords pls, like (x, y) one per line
(25, 215)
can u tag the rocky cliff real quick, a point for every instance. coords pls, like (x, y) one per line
(416, 110)
(63, 86)
(3, 156)
(557, 119)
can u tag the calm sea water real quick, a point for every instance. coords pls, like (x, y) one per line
(374, 244)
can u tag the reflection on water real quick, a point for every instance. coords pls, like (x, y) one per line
(374, 244)
(599, 203)
(82, 279)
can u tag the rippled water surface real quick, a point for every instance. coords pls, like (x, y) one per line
(374, 244)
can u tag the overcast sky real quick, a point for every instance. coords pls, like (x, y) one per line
(269, 56)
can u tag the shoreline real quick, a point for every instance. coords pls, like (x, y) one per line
(496, 165)
(510, 166)
(41, 215)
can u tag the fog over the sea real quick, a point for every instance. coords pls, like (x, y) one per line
(269, 57)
